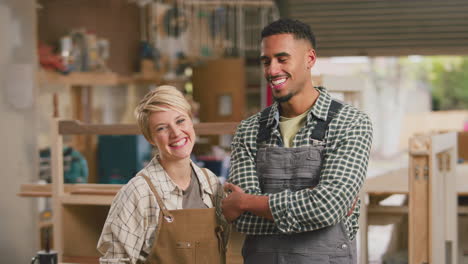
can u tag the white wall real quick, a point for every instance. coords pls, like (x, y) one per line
(18, 153)
(388, 95)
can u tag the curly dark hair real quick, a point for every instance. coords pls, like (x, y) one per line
(297, 28)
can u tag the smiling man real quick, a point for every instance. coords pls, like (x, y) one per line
(297, 166)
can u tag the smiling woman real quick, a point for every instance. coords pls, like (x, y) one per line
(148, 221)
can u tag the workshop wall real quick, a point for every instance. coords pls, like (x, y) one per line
(18, 239)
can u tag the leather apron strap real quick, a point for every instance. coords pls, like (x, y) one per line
(167, 215)
(190, 236)
(209, 183)
(219, 228)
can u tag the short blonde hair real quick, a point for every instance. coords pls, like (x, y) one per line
(160, 99)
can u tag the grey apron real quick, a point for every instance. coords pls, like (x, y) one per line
(279, 169)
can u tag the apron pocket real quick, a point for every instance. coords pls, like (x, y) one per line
(275, 183)
(303, 183)
(272, 185)
(207, 253)
(183, 254)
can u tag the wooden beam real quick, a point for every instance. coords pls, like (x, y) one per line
(433, 236)
(57, 188)
(73, 127)
(380, 209)
(419, 214)
(81, 78)
(83, 199)
(376, 199)
(77, 127)
(45, 190)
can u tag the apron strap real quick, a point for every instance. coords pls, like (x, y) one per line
(209, 183)
(168, 216)
(219, 228)
(264, 131)
(322, 125)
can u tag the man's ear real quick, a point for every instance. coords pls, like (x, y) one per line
(311, 58)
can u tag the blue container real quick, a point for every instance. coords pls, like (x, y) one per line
(121, 157)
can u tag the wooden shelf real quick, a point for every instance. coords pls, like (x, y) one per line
(396, 182)
(84, 199)
(79, 210)
(81, 78)
(76, 127)
(45, 190)
(96, 78)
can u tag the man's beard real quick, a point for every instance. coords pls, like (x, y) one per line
(286, 98)
(283, 99)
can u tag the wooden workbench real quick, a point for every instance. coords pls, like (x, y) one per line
(396, 182)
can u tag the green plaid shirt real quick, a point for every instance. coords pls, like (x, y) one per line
(347, 146)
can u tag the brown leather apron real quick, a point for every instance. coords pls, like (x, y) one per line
(186, 235)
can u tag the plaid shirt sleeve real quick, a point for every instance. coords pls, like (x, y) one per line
(243, 174)
(120, 241)
(344, 170)
(123, 235)
(342, 176)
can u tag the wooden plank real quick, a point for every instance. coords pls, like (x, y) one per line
(377, 198)
(436, 202)
(378, 219)
(444, 142)
(449, 238)
(433, 203)
(57, 188)
(84, 226)
(463, 146)
(77, 127)
(81, 78)
(419, 214)
(45, 190)
(387, 209)
(94, 192)
(462, 210)
(34, 187)
(34, 194)
(392, 182)
(83, 199)
(396, 182)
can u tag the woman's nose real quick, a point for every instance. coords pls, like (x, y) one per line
(175, 131)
